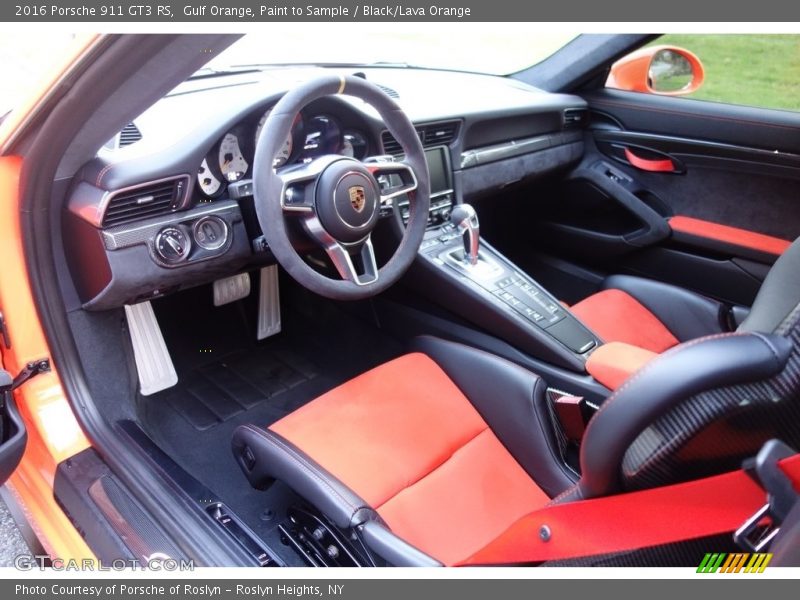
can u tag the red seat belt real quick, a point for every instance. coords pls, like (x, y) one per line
(673, 513)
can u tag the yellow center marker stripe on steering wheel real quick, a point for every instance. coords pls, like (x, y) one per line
(341, 84)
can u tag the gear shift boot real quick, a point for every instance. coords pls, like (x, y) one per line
(483, 268)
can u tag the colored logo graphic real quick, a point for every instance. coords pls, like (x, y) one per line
(740, 562)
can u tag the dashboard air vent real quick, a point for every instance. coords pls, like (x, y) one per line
(144, 201)
(440, 133)
(391, 145)
(130, 134)
(575, 117)
(392, 93)
(431, 134)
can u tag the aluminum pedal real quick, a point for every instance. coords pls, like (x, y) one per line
(231, 289)
(269, 305)
(153, 362)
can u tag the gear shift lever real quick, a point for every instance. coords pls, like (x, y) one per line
(465, 220)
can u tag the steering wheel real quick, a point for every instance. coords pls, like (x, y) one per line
(338, 199)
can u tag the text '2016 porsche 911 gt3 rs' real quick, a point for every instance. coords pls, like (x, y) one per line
(300, 312)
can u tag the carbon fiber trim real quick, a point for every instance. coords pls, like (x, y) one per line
(125, 236)
(714, 431)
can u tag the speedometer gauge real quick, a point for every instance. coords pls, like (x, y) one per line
(232, 163)
(208, 182)
(282, 157)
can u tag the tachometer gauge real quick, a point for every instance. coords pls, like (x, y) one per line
(323, 136)
(208, 182)
(232, 163)
(282, 157)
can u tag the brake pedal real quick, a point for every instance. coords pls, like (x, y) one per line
(269, 305)
(231, 289)
(153, 362)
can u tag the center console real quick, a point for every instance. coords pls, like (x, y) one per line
(508, 293)
(441, 188)
(476, 282)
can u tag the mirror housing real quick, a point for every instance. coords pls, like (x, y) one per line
(661, 70)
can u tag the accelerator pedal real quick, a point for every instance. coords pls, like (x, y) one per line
(153, 362)
(231, 289)
(269, 306)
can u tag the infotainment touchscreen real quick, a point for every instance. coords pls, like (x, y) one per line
(437, 166)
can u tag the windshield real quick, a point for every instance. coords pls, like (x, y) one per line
(25, 57)
(493, 48)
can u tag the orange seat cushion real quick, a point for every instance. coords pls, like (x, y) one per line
(616, 316)
(407, 440)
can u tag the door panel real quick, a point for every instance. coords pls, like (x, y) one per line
(708, 192)
(740, 187)
(743, 126)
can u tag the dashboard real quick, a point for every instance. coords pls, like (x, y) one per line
(175, 207)
(313, 135)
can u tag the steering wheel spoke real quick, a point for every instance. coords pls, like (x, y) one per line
(341, 255)
(298, 183)
(394, 178)
(343, 261)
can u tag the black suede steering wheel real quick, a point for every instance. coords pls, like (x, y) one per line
(338, 199)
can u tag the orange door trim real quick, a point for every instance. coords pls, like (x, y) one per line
(53, 431)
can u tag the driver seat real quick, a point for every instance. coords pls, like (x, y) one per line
(434, 455)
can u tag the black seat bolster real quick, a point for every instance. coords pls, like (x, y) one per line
(686, 314)
(392, 549)
(673, 377)
(512, 401)
(779, 293)
(265, 456)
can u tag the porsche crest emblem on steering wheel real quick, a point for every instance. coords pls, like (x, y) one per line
(357, 197)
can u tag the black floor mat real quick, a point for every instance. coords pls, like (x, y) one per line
(215, 393)
(226, 379)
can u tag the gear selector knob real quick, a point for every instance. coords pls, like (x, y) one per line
(465, 220)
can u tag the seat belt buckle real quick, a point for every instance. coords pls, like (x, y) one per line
(758, 531)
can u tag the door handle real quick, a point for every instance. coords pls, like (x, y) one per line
(660, 165)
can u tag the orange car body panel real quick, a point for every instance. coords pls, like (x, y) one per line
(631, 72)
(53, 431)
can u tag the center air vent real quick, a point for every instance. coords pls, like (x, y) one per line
(431, 134)
(147, 200)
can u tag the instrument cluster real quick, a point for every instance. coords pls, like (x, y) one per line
(312, 135)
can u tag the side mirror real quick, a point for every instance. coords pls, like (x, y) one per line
(662, 70)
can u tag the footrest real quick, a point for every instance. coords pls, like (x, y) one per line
(153, 362)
